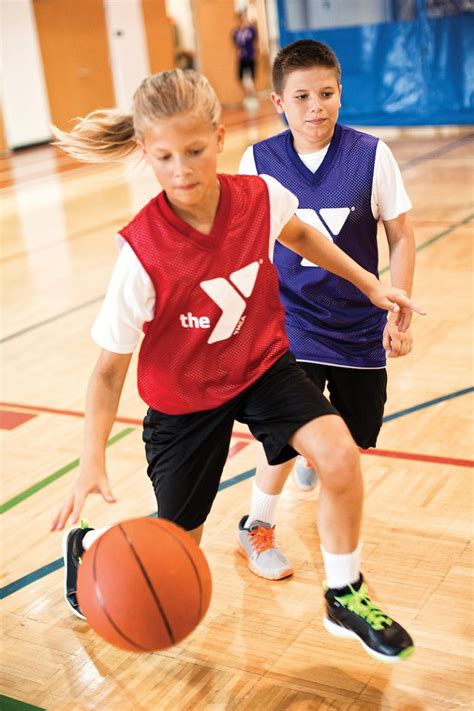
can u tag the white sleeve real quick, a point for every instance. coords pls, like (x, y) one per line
(389, 197)
(247, 163)
(128, 304)
(283, 206)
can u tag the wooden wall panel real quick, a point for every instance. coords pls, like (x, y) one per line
(3, 142)
(217, 57)
(159, 35)
(75, 53)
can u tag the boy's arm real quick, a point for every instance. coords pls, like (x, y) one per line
(402, 248)
(311, 244)
(103, 397)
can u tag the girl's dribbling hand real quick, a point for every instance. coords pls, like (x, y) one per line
(95, 482)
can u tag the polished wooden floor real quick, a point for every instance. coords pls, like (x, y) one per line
(262, 645)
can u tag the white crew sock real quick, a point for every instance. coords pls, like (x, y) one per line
(92, 536)
(263, 506)
(342, 568)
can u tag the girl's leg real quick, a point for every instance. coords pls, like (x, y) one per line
(92, 535)
(196, 533)
(350, 613)
(326, 441)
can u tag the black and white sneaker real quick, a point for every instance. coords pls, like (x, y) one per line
(351, 614)
(72, 552)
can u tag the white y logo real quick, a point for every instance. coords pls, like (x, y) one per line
(229, 299)
(335, 218)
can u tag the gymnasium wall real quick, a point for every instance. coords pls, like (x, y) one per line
(63, 58)
(404, 62)
(25, 102)
(54, 67)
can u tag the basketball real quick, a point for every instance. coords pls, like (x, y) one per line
(144, 585)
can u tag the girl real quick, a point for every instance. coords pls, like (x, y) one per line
(195, 272)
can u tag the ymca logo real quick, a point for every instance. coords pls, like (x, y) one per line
(334, 220)
(229, 297)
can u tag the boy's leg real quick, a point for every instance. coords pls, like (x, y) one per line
(256, 532)
(304, 472)
(359, 395)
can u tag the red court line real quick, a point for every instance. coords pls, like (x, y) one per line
(236, 448)
(247, 436)
(419, 457)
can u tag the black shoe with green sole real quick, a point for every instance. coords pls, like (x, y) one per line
(72, 553)
(351, 614)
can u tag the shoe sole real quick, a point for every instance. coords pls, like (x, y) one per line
(74, 612)
(344, 633)
(257, 571)
(300, 486)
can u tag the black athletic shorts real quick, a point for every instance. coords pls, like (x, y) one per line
(358, 394)
(186, 453)
(246, 66)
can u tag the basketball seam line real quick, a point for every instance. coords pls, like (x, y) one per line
(194, 568)
(150, 586)
(100, 599)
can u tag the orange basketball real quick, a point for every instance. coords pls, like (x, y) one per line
(144, 585)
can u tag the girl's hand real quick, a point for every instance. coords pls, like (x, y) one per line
(396, 301)
(90, 482)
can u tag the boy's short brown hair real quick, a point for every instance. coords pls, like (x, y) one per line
(302, 54)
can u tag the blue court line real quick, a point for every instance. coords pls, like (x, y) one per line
(436, 237)
(436, 152)
(428, 403)
(58, 563)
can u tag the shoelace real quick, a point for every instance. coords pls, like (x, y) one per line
(262, 538)
(359, 602)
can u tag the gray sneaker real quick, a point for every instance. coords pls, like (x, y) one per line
(305, 477)
(257, 545)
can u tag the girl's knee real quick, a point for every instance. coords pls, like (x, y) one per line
(339, 464)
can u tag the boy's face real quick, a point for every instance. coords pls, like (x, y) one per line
(310, 99)
(182, 152)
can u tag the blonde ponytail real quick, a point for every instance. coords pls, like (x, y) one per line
(110, 135)
(101, 136)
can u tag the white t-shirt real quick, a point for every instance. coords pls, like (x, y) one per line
(130, 298)
(389, 198)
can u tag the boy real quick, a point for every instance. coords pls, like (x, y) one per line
(345, 181)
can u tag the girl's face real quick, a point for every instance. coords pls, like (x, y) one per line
(310, 99)
(182, 152)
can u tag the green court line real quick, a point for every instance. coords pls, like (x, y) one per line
(52, 477)
(435, 238)
(9, 704)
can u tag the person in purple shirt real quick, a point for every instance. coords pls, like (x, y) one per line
(345, 181)
(245, 38)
